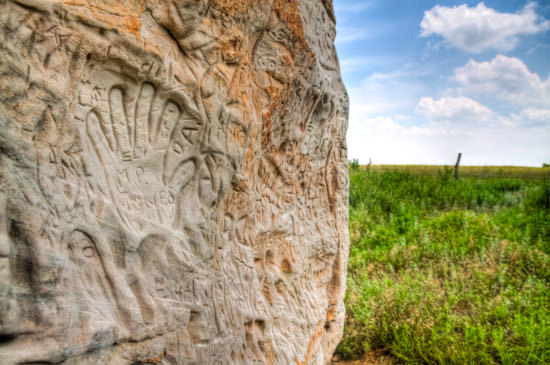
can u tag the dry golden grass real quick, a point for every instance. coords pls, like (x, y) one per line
(481, 172)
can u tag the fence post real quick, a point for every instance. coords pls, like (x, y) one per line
(456, 165)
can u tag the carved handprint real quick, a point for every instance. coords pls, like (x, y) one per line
(147, 157)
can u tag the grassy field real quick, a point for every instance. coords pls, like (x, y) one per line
(482, 172)
(445, 271)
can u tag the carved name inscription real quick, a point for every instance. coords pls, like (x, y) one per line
(173, 182)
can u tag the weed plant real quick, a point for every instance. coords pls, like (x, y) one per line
(445, 271)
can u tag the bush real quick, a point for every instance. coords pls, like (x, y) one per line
(354, 164)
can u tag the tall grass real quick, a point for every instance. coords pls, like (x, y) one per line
(445, 271)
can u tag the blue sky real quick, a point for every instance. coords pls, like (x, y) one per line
(428, 79)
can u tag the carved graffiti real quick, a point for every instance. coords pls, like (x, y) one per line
(174, 179)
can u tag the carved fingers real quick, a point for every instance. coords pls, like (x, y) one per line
(130, 138)
(181, 155)
(119, 123)
(100, 138)
(149, 148)
(142, 119)
(165, 125)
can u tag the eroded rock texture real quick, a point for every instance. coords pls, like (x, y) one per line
(173, 182)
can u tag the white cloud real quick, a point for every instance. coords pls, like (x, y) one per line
(381, 124)
(479, 28)
(503, 78)
(391, 122)
(455, 110)
(387, 142)
(388, 93)
(532, 116)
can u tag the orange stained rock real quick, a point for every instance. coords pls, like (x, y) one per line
(288, 13)
(124, 15)
(152, 360)
(312, 342)
(232, 7)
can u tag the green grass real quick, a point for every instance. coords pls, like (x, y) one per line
(445, 271)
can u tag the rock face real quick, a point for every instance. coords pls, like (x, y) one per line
(173, 184)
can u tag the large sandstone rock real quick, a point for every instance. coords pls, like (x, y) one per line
(173, 184)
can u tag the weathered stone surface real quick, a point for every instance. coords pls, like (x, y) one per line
(173, 182)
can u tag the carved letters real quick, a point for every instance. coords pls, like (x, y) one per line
(174, 182)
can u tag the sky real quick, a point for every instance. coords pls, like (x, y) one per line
(428, 79)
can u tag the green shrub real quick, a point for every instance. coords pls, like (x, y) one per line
(354, 164)
(445, 271)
